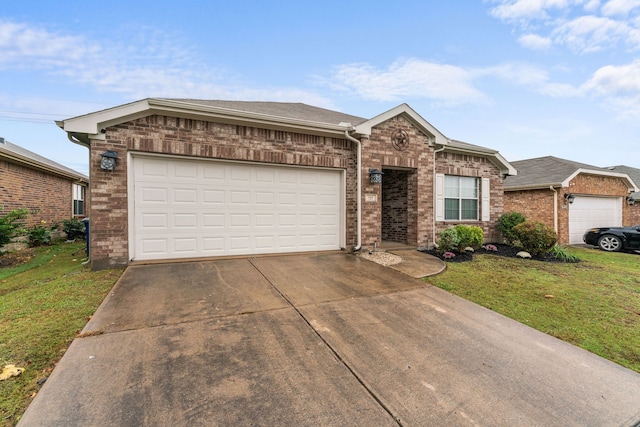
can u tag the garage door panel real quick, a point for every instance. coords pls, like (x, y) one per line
(589, 212)
(191, 208)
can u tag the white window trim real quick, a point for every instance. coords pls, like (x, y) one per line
(484, 200)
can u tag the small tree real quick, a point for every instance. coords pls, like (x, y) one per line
(506, 222)
(10, 225)
(535, 237)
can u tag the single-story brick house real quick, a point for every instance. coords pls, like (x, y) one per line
(632, 215)
(568, 196)
(50, 191)
(198, 178)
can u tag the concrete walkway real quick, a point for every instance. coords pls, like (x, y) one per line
(318, 340)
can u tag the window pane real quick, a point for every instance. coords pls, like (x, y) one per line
(78, 207)
(469, 209)
(451, 209)
(469, 188)
(451, 186)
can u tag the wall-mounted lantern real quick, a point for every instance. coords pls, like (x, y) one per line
(630, 200)
(569, 197)
(376, 176)
(108, 160)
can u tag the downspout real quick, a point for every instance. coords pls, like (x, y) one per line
(359, 188)
(435, 195)
(555, 208)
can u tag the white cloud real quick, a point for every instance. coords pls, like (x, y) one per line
(619, 86)
(154, 66)
(590, 33)
(584, 26)
(535, 42)
(409, 78)
(619, 7)
(517, 10)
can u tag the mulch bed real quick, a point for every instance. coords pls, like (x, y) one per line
(11, 259)
(503, 251)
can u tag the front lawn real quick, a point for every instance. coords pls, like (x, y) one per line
(593, 304)
(45, 300)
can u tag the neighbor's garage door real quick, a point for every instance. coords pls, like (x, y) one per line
(589, 212)
(199, 208)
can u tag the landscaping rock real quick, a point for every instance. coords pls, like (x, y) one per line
(523, 254)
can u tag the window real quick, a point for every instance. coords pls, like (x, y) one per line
(78, 200)
(460, 198)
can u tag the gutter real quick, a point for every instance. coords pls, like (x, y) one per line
(359, 188)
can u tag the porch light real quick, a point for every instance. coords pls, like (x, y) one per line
(108, 160)
(376, 176)
(630, 201)
(569, 197)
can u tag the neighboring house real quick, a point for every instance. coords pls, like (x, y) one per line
(632, 215)
(196, 178)
(50, 191)
(568, 196)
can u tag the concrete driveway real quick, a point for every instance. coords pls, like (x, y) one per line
(318, 340)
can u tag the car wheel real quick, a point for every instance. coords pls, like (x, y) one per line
(610, 243)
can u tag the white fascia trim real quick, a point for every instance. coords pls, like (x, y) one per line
(632, 186)
(436, 137)
(92, 124)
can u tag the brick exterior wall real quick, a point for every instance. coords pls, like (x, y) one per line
(416, 159)
(197, 138)
(631, 214)
(47, 197)
(480, 167)
(395, 205)
(413, 174)
(537, 205)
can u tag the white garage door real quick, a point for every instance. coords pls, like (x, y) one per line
(589, 212)
(198, 208)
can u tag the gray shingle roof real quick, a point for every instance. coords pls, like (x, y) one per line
(544, 171)
(288, 110)
(633, 173)
(10, 150)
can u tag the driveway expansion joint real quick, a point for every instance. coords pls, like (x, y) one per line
(337, 355)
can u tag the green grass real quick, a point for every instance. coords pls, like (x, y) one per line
(594, 304)
(43, 304)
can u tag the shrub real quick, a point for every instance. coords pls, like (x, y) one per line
(10, 225)
(506, 222)
(74, 228)
(470, 236)
(449, 240)
(39, 235)
(535, 237)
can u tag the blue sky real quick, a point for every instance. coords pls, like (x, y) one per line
(529, 78)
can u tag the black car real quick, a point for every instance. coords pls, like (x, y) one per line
(613, 239)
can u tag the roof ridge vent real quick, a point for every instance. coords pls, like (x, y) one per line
(1, 140)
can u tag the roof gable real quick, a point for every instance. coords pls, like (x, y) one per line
(549, 171)
(434, 135)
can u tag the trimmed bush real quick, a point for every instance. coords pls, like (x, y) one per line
(470, 236)
(506, 222)
(449, 240)
(74, 228)
(535, 237)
